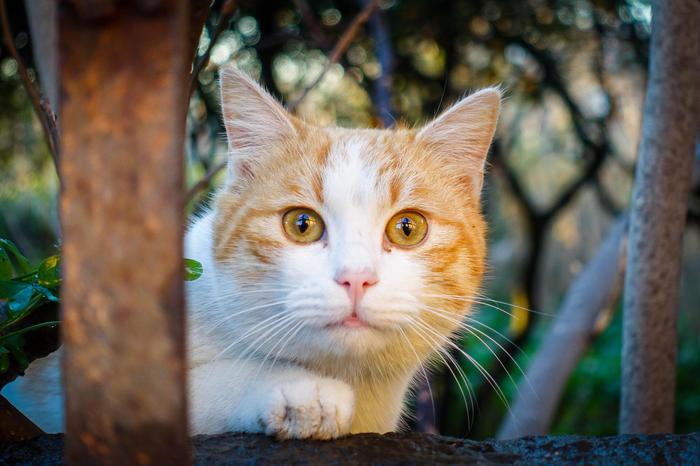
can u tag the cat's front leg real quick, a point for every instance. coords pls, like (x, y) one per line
(286, 402)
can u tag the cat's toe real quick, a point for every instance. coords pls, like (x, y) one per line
(319, 409)
(337, 407)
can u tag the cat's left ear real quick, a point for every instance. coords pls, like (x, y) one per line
(254, 122)
(463, 133)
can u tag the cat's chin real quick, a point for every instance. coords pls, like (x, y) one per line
(355, 338)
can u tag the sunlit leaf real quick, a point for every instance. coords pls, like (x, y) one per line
(193, 269)
(47, 293)
(23, 264)
(49, 273)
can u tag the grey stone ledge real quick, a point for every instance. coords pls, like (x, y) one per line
(406, 449)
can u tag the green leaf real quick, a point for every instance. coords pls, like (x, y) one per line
(23, 265)
(5, 265)
(20, 301)
(193, 270)
(49, 272)
(9, 288)
(17, 334)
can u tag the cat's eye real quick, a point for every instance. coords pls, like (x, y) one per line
(303, 225)
(407, 228)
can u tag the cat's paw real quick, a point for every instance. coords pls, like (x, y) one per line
(309, 408)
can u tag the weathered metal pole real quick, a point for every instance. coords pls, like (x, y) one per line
(657, 218)
(123, 77)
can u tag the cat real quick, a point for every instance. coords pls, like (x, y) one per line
(336, 262)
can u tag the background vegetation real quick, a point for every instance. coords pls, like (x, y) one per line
(561, 170)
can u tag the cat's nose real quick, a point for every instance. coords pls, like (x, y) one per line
(356, 282)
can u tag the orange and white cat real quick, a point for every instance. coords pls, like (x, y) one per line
(336, 262)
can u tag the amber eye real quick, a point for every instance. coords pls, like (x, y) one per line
(303, 225)
(407, 228)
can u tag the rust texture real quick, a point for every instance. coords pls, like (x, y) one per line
(123, 78)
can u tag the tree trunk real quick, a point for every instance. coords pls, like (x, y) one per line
(595, 291)
(658, 211)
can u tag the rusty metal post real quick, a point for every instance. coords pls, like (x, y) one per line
(123, 77)
(658, 210)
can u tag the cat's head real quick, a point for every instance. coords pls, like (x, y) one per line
(343, 242)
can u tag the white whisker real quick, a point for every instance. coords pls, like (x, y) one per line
(284, 338)
(440, 351)
(473, 361)
(259, 327)
(245, 311)
(476, 332)
(505, 303)
(422, 369)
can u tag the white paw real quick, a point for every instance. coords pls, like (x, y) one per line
(309, 408)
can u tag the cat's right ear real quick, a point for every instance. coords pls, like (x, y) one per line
(254, 121)
(461, 136)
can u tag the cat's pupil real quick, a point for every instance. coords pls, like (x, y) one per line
(406, 226)
(303, 222)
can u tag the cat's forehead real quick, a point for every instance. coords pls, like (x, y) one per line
(350, 175)
(368, 168)
(353, 172)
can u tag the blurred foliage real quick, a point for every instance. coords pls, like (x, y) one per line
(23, 289)
(574, 72)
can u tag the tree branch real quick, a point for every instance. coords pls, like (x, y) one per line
(228, 9)
(595, 290)
(315, 30)
(41, 106)
(381, 95)
(516, 188)
(341, 46)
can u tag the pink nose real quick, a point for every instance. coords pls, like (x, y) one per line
(356, 282)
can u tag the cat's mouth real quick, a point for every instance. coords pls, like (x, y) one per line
(351, 322)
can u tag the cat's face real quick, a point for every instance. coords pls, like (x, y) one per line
(346, 242)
